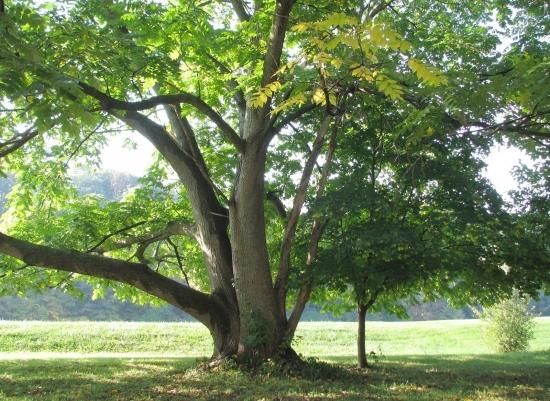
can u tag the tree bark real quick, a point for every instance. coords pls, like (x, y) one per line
(361, 350)
(260, 326)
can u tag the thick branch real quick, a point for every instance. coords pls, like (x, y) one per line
(277, 39)
(109, 103)
(379, 8)
(194, 302)
(210, 216)
(305, 292)
(185, 136)
(257, 122)
(299, 199)
(276, 201)
(17, 141)
(240, 10)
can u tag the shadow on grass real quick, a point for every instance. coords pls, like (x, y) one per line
(462, 377)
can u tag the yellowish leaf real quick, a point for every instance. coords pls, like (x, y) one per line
(362, 72)
(322, 58)
(300, 27)
(148, 83)
(174, 54)
(350, 41)
(336, 62)
(259, 98)
(389, 87)
(336, 19)
(430, 75)
(319, 97)
(296, 100)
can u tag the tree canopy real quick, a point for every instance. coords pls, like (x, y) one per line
(246, 104)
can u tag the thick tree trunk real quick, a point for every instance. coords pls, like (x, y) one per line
(260, 326)
(361, 350)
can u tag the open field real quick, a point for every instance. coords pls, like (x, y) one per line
(415, 361)
(316, 339)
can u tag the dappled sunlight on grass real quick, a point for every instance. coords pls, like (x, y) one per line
(405, 365)
(426, 378)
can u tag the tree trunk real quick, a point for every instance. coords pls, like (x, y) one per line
(361, 351)
(260, 325)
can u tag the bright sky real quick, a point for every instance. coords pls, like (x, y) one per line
(116, 157)
(500, 163)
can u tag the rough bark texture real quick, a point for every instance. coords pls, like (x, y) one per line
(260, 326)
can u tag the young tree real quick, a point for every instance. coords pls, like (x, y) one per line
(407, 218)
(217, 88)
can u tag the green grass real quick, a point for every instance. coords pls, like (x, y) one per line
(428, 361)
(312, 339)
(189, 339)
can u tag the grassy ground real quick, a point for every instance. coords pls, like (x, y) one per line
(191, 339)
(457, 366)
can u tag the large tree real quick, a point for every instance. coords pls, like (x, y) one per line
(232, 98)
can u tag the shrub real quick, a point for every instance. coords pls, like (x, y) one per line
(509, 323)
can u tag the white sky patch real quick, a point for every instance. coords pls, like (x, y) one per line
(500, 162)
(119, 156)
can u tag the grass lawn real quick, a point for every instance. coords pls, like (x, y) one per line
(415, 361)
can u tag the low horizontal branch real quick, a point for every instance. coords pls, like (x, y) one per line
(196, 303)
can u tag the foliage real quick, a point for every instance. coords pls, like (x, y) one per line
(410, 218)
(509, 323)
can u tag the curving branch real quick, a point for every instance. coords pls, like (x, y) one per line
(277, 203)
(292, 116)
(525, 125)
(109, 103)
(232, 85)
(17, 141)
(179, 260)
(96, 247)
(197, 304)
(277, 39)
